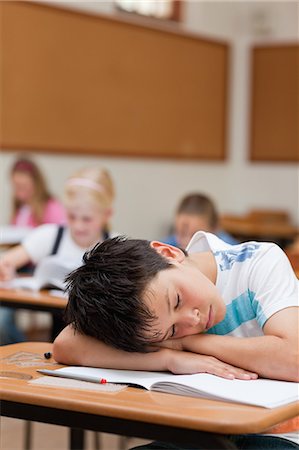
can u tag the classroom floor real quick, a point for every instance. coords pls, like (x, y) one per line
(53, 437)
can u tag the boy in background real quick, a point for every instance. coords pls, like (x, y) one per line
(196, 212)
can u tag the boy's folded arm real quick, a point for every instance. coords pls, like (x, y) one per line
(73, 348)
(274, 355)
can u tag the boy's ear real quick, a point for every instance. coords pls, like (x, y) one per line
(168, 251)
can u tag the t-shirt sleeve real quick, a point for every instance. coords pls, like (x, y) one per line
(39, 243)
(273, 285)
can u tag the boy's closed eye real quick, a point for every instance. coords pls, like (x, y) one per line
(176, 306)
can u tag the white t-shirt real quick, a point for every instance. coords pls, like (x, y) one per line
(39, 244)
(255, 280)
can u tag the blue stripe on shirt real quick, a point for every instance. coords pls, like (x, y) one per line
(227, 258)
(242, 309)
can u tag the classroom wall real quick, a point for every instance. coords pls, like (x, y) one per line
(148, 189)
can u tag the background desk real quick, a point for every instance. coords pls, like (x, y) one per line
(131, 412)
(40, 301)
(37, 301)
(245, 229)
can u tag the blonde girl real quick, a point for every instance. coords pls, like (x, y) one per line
(89, 196)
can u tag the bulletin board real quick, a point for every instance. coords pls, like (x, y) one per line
(275, 103)
(73, 82)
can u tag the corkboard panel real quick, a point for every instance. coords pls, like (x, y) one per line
(73, 82)
(275, 103)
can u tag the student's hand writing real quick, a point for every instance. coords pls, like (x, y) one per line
(181, 362)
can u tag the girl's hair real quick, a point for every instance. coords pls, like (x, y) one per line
(93, 182)
(41, 194)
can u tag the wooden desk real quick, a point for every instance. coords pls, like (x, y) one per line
(294, 260)
(246, 229)
(40, 301)
(131, 412)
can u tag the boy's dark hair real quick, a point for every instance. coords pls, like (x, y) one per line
(105, 293)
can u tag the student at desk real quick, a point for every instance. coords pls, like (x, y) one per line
(89, 196)
(231, 311)
(195, 212)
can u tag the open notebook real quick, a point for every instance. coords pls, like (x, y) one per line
(260, 392)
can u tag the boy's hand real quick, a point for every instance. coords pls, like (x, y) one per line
(180, 362)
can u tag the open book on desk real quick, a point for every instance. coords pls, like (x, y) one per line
(260, 392)
(50, 273)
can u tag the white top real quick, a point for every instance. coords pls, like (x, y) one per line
(39, 244)
(255, 280)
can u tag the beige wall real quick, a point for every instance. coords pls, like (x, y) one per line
(148, 190)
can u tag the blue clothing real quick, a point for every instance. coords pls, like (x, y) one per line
(223, 235)
(9, 332)
(240, 442)
(171, 240)
(226, 237)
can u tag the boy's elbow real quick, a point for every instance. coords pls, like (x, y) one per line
(64, 351)
(60, 353)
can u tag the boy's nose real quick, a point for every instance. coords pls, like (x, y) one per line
(193, 318)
